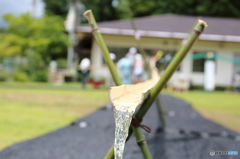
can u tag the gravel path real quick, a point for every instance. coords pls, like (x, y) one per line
(187, 136)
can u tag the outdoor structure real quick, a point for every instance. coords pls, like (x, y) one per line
(165, 32)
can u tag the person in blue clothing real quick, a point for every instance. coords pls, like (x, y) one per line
(125, 66)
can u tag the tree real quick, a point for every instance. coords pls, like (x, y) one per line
(56, 7)
(103, 9)
(215, 8)
(25, 34)
(37, 40)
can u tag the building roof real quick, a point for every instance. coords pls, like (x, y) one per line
(173, 26)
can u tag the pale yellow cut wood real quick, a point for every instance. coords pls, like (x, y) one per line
(128, 97)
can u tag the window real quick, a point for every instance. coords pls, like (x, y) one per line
(237, 63)
(198, 63)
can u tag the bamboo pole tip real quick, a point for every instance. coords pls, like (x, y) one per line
(202, 22)
(87, 13)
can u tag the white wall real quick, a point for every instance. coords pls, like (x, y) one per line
(98, 69)
(224, 69)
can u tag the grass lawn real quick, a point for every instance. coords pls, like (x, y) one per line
(221, 107)
(31, 109)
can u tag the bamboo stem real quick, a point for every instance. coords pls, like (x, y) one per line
(160, 104)
(98, 37)
(110, 153)
(100, 41)
(142, 143)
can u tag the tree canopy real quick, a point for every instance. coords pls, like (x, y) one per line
(117, 9)
(34, 41)
(56, 7)
(26, 34)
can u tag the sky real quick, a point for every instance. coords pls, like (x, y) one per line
(18, 7)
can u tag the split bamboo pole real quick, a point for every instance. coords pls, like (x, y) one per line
(100, 41)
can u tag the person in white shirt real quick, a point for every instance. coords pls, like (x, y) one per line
(84, 66)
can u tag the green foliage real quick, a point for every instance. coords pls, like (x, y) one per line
(25, 34)
(137, 8)
(56, 7)
(3, 76)
(105, 10)
(37, 39)
(20, 76)
(62, 63)
(40, 76)
(223, 8)
(102, 9)
(35, 63)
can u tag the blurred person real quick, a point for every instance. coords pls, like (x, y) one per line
(138, 68)
(125, 66)
(168, 57)
(113, 57)
(131, 53)
(84, 66)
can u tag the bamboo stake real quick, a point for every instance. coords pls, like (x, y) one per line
(110, 153)
(160, 104)
(100, 41)
(197, 30)
(141, 141)
(98, 37)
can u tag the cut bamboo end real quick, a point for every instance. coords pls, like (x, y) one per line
(129, 97)
(202, 22)
(87, 13)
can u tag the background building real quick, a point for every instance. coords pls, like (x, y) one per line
(221, 37)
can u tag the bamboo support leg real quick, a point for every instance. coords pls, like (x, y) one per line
(98, 37)
(142, 143)
(160, 104)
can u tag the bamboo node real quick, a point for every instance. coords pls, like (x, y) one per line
(141, 142)
(95, 30)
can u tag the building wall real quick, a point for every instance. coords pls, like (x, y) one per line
(99, 70)
(224, 69)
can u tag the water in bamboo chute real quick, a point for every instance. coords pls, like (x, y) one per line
(123, 119)
(125, 99)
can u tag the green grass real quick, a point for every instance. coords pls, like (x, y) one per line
(32, 109)
(221, 107)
